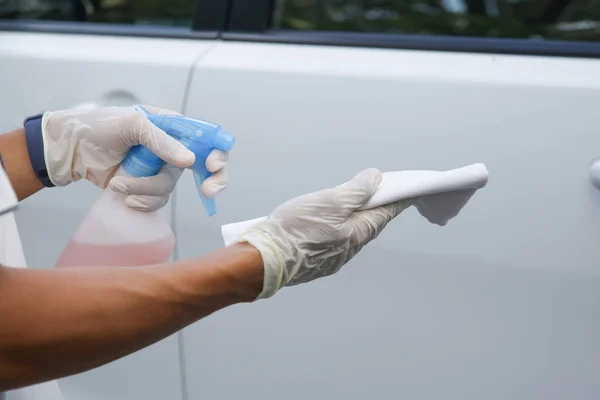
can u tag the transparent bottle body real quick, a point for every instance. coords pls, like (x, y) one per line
(112, 234)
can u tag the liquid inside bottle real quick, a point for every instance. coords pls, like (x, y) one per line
(113, 234)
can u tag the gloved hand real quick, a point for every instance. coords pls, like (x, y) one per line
(91, 144)
(314, 235)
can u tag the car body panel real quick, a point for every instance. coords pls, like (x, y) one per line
(500, 303)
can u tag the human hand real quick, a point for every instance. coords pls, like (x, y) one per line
(91, 144)
(314, 235)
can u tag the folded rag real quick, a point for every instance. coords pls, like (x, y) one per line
(439, 195)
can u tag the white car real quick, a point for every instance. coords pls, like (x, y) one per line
(502, 303)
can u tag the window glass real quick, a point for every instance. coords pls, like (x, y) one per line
(143, 12)
(531, 19)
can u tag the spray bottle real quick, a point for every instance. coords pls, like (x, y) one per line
(112, 234)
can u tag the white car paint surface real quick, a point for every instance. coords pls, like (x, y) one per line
(500, 304)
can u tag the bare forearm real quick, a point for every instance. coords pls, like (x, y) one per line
(13, 148)
(60, 322)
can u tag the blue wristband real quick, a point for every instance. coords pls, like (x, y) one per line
(35, 147)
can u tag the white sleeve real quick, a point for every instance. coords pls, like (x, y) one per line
(11, 249)
(8, 197)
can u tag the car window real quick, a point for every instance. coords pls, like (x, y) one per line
(529, 19)
(141, 12)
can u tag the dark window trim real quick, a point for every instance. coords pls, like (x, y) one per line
(250, 15)
(249, 21)
(211, 15)
(107, 29)
(423, 42)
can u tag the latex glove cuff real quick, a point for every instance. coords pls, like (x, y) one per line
(276, 275)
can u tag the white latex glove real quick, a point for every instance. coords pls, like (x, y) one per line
(314, 235)
(91, 144)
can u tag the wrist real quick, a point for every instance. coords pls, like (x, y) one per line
(249, 273)
(228, 276)
(17, 166)
(274, 266)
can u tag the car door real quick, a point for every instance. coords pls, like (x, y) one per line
(64, 54)
(500, 304)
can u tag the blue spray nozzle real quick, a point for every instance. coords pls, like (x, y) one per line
(201, 137)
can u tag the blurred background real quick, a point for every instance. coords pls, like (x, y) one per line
(549, 19)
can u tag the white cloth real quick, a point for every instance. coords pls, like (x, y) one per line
(11, 255)
(440, 195)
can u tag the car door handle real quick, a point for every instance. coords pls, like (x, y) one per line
(113, 98)
(595, 173)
